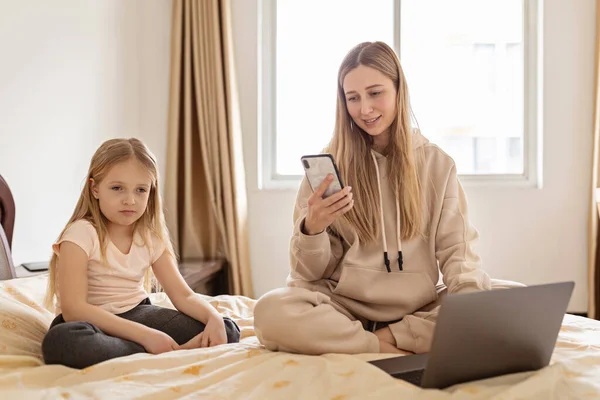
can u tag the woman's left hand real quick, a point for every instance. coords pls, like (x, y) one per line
(385, 335)
(387, 343)
(214, 334)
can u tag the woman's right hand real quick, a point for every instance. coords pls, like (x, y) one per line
(322, 212)
(157, 342)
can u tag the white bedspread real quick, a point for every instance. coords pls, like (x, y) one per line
(247, 371)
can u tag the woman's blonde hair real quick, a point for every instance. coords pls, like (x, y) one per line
(152, 221)
(351, 148)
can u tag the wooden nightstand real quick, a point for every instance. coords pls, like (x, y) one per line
(205, 276)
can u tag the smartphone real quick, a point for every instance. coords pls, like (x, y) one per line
(36, 266)
(317, 167)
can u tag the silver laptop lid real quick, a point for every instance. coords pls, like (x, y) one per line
(484, 334)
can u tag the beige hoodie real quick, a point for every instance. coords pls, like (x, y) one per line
(355, 276)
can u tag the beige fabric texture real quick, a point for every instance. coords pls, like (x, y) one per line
(247, 370)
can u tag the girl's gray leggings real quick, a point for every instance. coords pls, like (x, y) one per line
(79, 344)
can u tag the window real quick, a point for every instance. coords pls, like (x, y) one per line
(466, 63)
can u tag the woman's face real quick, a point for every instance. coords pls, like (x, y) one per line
(370, 99)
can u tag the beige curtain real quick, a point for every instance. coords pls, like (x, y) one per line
(594, 233)
(205, 196)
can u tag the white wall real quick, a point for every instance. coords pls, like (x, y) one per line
(154, 59)
(528, 235)
(74, 73)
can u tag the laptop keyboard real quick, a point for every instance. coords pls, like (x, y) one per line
(413, 377)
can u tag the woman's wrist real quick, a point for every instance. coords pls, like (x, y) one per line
(307, 231)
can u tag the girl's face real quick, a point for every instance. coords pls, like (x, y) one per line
(370, 99)
(123, 193)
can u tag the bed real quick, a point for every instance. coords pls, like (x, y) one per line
(248, 371)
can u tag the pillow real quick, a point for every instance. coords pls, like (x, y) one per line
(23, 319)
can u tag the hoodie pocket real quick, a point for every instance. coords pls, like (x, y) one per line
(402, 289)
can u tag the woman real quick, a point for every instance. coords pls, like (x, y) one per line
(365, 261)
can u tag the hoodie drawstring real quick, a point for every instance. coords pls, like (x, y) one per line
(386, 260)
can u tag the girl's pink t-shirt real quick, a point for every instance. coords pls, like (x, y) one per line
(118, 285)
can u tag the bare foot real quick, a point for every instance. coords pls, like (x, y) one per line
(193, 343)
(385, 347)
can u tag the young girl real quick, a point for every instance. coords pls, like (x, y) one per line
(100, 270)
(365, 261)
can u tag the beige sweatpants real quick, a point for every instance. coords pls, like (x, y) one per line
(298, 320)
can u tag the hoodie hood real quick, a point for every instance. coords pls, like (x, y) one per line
(418, 141)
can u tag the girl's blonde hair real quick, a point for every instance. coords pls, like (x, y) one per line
(152, 221)
(351, 148)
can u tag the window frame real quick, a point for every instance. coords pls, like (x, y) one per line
(268, 178)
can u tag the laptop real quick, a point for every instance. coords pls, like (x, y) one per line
(485, 334)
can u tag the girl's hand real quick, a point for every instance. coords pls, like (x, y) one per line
(157, 342)
(322, 212)
(214, 334)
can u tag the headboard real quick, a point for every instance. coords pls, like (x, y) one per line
(7, 210)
